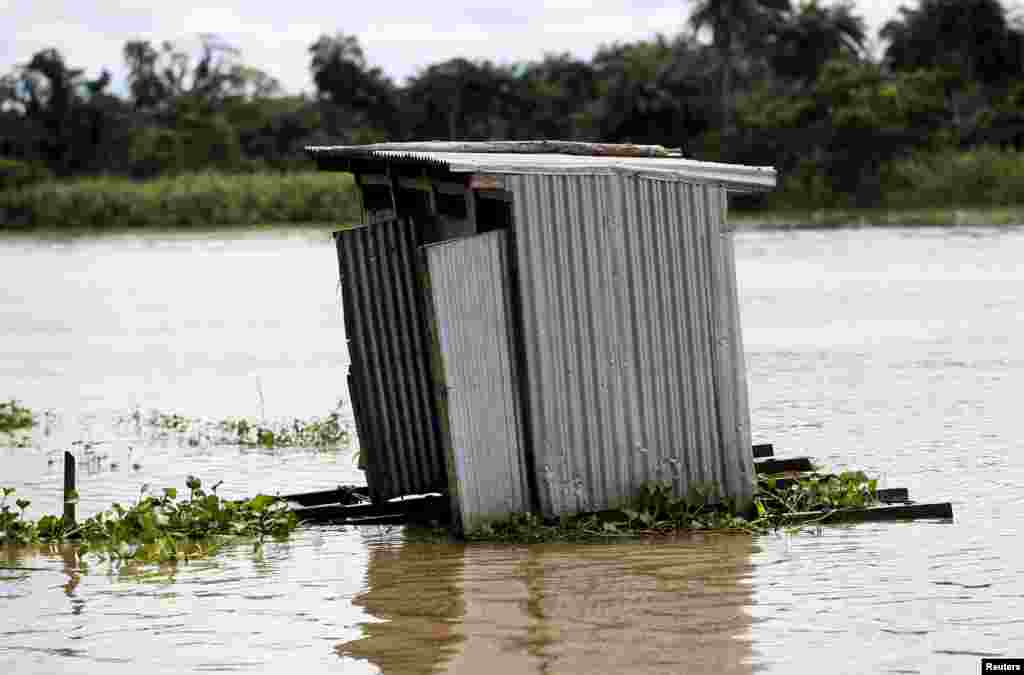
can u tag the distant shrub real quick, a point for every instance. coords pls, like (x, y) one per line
(17, 174)
(186, 201)
(985, 176)
(807, 186)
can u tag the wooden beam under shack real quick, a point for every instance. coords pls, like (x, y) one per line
(378, 216)
(421, 183)
(781, 465)
(942, 511)
(497, 195)
(450, 188)
(470, 197)
(487, 181)
(374, 179)
(456, 208)
(377, 198)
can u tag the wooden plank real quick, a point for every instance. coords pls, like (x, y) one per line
(422, 184)
(787, 464)
(487, 181)
(471, 209)
(893, 495)
(380, 216)
(70, 498)
(942, 510)
(343, 495)
(496, 195)
(450, 188)
(414, 509)
(374, 179)
(762, 450)
(454, 228)
(488, 186)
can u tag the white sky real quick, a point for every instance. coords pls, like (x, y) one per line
(399, 36)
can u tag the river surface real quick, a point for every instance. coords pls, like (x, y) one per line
(893, 351)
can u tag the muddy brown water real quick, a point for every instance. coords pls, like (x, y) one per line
(897, 351)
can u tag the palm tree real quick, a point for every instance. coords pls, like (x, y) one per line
(813, 35)
(972, 36)
(735, 23)
(363, 95)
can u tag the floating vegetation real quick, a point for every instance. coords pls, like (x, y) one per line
(792, 504)
(156, 528)
(781, 503)
(14, 417)
(318, 432)
(171, 422)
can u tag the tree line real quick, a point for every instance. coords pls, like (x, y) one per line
(790, 85)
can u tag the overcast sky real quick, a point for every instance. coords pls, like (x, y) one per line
(400, 36)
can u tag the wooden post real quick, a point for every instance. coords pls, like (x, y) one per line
(70, 498)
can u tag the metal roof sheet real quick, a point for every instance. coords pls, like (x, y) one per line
(736, 176)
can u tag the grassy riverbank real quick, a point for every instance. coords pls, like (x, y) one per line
(984, 186)
(782, 219)
(191, 201)
(980, 187)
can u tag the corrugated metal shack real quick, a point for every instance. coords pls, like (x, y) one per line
(543, 325)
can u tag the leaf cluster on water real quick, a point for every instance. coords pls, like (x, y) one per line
(318, 433)
(325, 432)
(778, 505)
(155, 528)
(657, 511)
(14, 417)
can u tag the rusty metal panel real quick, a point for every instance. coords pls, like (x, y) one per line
(389, 349)
(632, 347)
(469, 280)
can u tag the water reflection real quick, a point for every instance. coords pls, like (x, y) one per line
(415, 591)
(635, 608)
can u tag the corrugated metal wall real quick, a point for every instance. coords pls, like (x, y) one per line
(469, 280)
(634, 365)
(389, 377)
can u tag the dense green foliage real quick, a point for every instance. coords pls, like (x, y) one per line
(154, 528)
(778, 83)
(14, 417)
(183, 201)
(17, 174)
(983, 177)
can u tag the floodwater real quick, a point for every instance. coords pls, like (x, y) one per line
(895, 351)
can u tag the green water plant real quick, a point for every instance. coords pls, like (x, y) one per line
(779, 503)
(14, 417)
(171, 422)
(785, 503)
(318, 432)
(158, 527)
